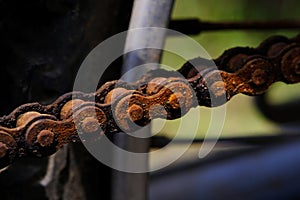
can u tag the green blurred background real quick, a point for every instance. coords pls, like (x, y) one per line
(242, 117)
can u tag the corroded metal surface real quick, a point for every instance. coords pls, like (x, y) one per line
(37, 130)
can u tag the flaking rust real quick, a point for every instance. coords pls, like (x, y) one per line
(38, 130)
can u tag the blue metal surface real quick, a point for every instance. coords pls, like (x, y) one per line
(273, 173)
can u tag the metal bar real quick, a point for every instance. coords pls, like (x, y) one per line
(195, 26)
(285, 135)
(146, 13)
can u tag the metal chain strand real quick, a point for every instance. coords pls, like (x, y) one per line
(37, 130)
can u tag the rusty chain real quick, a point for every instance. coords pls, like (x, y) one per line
(40, 130)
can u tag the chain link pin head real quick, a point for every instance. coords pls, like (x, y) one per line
(218, 88)
(45, 138)
(135, 112)
(90, 125)
(259, 77)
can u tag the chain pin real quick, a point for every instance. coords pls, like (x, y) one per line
(45, 138)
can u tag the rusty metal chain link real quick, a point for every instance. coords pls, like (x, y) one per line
(40, 130)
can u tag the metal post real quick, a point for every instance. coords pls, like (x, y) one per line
(145, 13)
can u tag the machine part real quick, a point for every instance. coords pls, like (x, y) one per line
(244, 70)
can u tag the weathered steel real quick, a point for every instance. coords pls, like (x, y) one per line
(243, 70)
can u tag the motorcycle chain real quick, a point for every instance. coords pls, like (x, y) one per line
(40, 130)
